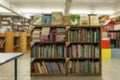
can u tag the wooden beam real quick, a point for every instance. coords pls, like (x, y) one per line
(67, 6)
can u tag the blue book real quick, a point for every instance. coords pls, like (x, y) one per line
(46, 19)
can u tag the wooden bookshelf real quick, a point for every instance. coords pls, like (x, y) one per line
(81, 46)
(13, 42)
(66, 58)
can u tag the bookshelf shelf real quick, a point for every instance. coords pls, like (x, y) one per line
(85, 42)
(16, 46)
(2, 47)
(51, 42)
(52, 74)
(75, 26)
(113, 30)
(84, 58)
(114, 36)
(50, 58)
(83, 74)
(2, 34)
(51, 26)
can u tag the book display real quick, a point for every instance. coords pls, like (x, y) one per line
(72, 48)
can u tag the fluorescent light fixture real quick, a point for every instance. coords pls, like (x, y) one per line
(3, 10)
(104, 12)
(73, 11)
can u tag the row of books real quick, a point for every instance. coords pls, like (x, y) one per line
(44, 36)
(17, 23)
(57, 35)
(56, 18)
(45, 67)
(36, 35)
(87, 66)
(2, 42)
(7, 18)
(84, 51)
(84, 35)
(49, 35)
(115, 43)
(114, 35)
(49, 51)
(5, 23)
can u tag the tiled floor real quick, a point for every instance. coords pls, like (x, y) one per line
(111, 71)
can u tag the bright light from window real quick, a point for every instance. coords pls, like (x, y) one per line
(104, 12)
(80, 11)
(37, 11)
(3, 10)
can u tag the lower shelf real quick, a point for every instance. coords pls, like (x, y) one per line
(83, 74)
(53, 74)
(67, 74)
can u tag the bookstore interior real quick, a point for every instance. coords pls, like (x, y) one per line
(59, 39)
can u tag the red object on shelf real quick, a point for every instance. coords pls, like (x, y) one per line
(104, 30)
(105, 44)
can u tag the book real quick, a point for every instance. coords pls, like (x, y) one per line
(37, 20)
(36, 35)
(45, 34)
(94, 20)
(84, 20)
(57, 18)
(67, 20)
(46, 19)
(74, 19)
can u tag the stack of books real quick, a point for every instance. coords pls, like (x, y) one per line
(60, 37)
(36, 35)
(45, 34)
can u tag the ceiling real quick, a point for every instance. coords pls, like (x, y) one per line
(76, 6)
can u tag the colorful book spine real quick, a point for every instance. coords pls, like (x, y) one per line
(86, 66)
(84, 51)
(46, 67)
(49, 51)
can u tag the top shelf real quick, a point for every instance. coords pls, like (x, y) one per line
(59, 26)
(113, 30)
(2, 34)
(63, 26)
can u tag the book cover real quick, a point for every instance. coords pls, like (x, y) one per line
(46, 19)
(74, 19)
(37, 20)
(57, 18)
(94, 20)
(67, 20)
(84, 20)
